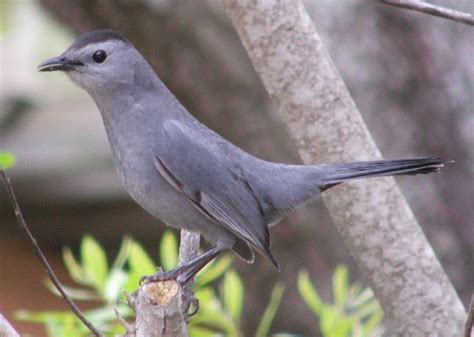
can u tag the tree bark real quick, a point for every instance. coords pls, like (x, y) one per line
(372, 216)
(160, 308)
(469, 327)
(6, 330)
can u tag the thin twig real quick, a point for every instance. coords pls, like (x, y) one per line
(129, 328)
(469, 328)
(424, 7)
(43, 260)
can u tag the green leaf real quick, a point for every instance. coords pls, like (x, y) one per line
(74, 293)
(122, 255)
(357, 329)
(6, 14)
(308, 293)
(340, 285)
(366, 309)
(270, 311)
(139, 261)
(207, 297)
(328, 319)
(94, 262)
(57, 323)
(41, 316)
(233, 294)
(197, 331)
(69, 326)
(362, 296)
(213, 270)
(114, 285)
(334, 324)
(106, 314)
(373, 322)
(216, 319)
(169, 251)
(211, 314)
(140, 265)
(7, 160)
(116, 330)
(75, 270)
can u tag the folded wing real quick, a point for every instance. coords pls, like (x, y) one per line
(211, 180)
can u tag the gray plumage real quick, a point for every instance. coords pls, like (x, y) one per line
(184, 173)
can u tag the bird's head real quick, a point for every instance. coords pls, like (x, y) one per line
(101, 61)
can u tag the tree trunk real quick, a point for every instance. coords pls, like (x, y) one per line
(6, 330)
(372, 216)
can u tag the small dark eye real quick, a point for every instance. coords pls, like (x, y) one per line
(99, 56)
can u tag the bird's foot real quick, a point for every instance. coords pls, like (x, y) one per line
(192, 303)
(160, 276)
(181, 277)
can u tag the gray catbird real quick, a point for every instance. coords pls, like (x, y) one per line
(184, 173)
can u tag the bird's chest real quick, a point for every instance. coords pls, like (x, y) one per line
(134, 163)
(135, 166)
(132, 151)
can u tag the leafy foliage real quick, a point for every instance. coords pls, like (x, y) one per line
(354, 313)
(220, 312)
(7, 160)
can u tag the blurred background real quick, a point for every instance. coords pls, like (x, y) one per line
(410, 74)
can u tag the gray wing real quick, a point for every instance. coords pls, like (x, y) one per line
(197, 162)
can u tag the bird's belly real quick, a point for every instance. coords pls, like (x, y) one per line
(153, 193)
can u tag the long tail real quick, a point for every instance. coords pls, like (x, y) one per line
(337, 173)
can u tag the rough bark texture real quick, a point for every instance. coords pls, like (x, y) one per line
(160, 307)
(159, 310)
(189, 246)
(372, 216)
(6, 330)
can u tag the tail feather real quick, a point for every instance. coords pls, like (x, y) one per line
(337, 173)
(283, 187)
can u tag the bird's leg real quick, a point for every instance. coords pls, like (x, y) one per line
(190, 301)
(183, 273)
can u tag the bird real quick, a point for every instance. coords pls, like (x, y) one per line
(185, 174)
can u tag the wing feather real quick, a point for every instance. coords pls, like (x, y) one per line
(213, 183)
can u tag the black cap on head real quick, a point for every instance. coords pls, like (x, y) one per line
(96, 36)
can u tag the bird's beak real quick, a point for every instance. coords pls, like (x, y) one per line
(61, 63)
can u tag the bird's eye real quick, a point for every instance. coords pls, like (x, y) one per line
(99, 56)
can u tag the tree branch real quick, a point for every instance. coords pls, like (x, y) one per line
(159, 310)
(160, 307)
(469, 327)
(372, 216)
(188, 249)
(6, 330)
(42, 258)
(424, 7)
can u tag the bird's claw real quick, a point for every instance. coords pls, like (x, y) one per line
(157, 277)
(142, 280)
(182, 278)
(192, 302)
